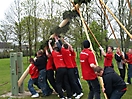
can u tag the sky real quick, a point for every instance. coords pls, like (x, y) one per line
(4, 5)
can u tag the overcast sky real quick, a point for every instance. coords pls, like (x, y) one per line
(4, 5)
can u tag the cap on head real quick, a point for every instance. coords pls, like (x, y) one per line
(86, 44)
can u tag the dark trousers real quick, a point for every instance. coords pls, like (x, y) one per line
(94, 88)
(61, 77)
(51, 78)
(122, 72)
(77, 78)
(72, 80)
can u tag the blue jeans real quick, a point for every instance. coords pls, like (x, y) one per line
(94, 88)
(117, 94)
(42, 81)
(32, 82)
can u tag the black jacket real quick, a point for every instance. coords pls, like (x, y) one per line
(119, 58)
(41, 62)
(112, 81)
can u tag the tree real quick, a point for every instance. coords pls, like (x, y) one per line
(13, 18)
(5, 32)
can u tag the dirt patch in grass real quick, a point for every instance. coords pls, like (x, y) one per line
(20, 95)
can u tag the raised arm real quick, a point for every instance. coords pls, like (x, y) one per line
(57, 43)
(50, 47)
(102, 51)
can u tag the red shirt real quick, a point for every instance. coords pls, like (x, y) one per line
(33, 71)
(50, 63)
(73, 57)
(67, 57)
(87, 58)
(129, 58)
(58, 59)
(108, 59)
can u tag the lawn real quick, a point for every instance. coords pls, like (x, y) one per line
(5, 80)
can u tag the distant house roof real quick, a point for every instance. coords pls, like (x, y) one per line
(4, 45)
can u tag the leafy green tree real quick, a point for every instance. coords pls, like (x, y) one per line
(99, 34)
(13, 18)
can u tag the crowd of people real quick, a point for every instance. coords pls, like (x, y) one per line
(57, 65)
(54, 69)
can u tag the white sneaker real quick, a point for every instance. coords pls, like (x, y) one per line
(74, 94)
(79, 96)
(62, 98)
(35, 95)
(127, 83)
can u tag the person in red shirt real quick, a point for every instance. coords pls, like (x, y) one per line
(33, 71)
(77, 77)
(61, 72)
(66, 54)
(88, 63)
(129, 61)
(107, 56)
(50, 68)
(76, 73)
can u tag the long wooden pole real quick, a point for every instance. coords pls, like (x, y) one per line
(77, 9)
(24, 75)
(116, 18)
(85, 28)
(112, 30)
(110, 25)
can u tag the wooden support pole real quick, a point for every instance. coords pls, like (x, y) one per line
(86, 32)
(86, 25)
(110, 25)
(116, 19)
(24, 75)
(117, 43)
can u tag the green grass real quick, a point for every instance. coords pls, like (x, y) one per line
(5, 80)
